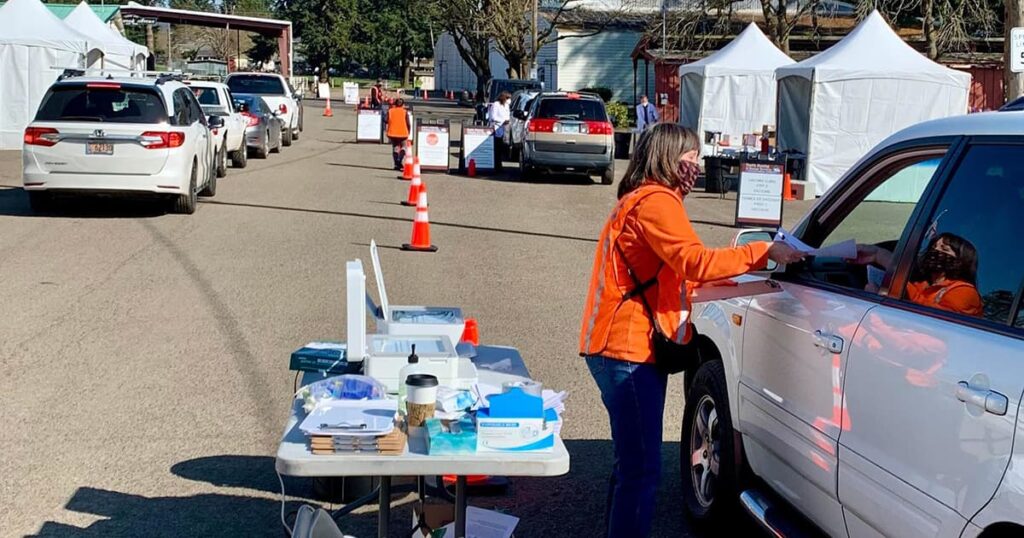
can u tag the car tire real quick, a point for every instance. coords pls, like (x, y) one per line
(185, 204)
(40, 201)
(302, 116)
(264, 149)
(608, 175)
(210, 190)
(709, 466)
(286, 137)
(526, 172)
(240, 158)
(222, 160)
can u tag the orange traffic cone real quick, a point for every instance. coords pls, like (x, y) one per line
(787, 187)
(471, 169)
(421, 226)
(471, 333)
(328, 113)
(407, 163)
(366, 102)
(415, 186)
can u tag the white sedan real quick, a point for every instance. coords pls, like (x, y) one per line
(881, 399)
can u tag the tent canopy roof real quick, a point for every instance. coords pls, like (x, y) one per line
(85, 20)
(750, 52)
(860, 55)
(28, 22)
(105, 13)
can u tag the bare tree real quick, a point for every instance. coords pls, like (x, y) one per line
(780, 20)
(466, 21)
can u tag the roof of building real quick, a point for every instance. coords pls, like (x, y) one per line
(105, 13)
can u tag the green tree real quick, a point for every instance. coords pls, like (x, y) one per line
(325, 28)
(263, 48)
(391, 33)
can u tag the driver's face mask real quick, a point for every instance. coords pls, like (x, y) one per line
(935, 262)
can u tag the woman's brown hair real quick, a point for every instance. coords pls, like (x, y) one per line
(656, 157)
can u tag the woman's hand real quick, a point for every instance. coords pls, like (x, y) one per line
(783, 254)
(865, 254)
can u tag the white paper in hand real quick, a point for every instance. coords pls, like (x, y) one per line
(875, 276)
(846, 249)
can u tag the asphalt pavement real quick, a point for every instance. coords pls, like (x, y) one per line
(145, 355)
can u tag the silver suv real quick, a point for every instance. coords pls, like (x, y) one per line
(567, 132)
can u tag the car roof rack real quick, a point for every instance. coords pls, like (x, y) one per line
(70, 73)
(163, 78)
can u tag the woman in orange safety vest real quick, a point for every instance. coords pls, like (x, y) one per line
(398, 131)
(649, 234)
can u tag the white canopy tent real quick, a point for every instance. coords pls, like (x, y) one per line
(118, 52)
(34, 47)
(733, 90)
(836, 105)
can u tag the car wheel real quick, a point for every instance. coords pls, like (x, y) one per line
(240, 158)
(707, 452)
(302, 116)
(264, 149)
(286, 137)
(210, 190)
(608, 176)
(222, 161)
(40, 201)
(186, 203)
(526, 171)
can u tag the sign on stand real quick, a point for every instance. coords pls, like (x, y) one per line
(323, 90)
(1017, 50)
(351, 92)
(432, 146)
(759, 200)
(368, 125)
(478, 146)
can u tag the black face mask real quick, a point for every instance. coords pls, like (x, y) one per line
(935, 262)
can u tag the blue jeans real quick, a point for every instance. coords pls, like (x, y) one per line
(634, 395)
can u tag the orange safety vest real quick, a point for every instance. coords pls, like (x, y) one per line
(953, 296)
(398, 123)
(619, 327)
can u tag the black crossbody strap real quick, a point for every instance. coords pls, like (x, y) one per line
(640, 287)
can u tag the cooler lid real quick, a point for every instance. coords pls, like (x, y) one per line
(382, 292)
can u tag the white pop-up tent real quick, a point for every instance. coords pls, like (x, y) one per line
(34, 47)
(733, 90)
(835, 106)
(118, 52)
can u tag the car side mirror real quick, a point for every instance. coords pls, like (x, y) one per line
(520, 115)
(215, 122)
(744, 237)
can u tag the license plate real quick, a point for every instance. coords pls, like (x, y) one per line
(571, 128)
(99, 148)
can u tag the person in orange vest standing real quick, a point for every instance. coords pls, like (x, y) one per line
(398, 131)
(377, 95)
(648, 260)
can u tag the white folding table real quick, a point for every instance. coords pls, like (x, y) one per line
(495, 366)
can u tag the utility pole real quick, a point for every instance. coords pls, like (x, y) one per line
(533, 46)
(1013, 82)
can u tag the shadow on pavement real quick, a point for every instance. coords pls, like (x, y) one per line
(401, 219)
(14, 203)
(382, 168)
(249, 472)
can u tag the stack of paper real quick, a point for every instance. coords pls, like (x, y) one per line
(845, 249)
(347, 426)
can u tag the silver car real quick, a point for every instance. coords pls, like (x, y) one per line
(263, 133)
(517, 124)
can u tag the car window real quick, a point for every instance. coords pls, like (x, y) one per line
(207, 96)
(256, 84)
(572, 109)
(111, 104)
(973, 246)
(195, 111)
(181, 109)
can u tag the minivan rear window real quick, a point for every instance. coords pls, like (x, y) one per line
(256, 84)
(572, 109)
(104, 105)
(206, 96)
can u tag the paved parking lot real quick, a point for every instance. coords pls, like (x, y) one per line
(145, 355)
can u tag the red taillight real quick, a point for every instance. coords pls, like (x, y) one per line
(572, 95)
(540, 125)
(253, 119)
(600, 128)
(283, 108)
(104, 85)
(162, 139)
(41, 136)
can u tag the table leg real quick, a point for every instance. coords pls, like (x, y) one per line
(384, 508)
(460, 507)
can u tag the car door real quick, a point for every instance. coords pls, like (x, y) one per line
(933, 388)
(796, 342)
(198, 126)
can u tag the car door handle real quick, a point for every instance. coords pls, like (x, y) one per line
(829, 342)
(989, 400)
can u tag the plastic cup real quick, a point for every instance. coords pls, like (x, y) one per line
(421, 398)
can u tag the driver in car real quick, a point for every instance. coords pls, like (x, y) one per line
(949, 266)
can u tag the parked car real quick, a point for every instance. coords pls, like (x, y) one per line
(120, 135)
(1013, 106)
(867, 397)
(521, 101)
(495, 86)
(229, 141)
(278, 93)
(567, 132)
(264, 124)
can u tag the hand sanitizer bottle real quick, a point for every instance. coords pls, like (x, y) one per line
(414, 367)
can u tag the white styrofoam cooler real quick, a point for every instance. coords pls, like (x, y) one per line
(388, 354)
(414, 320)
